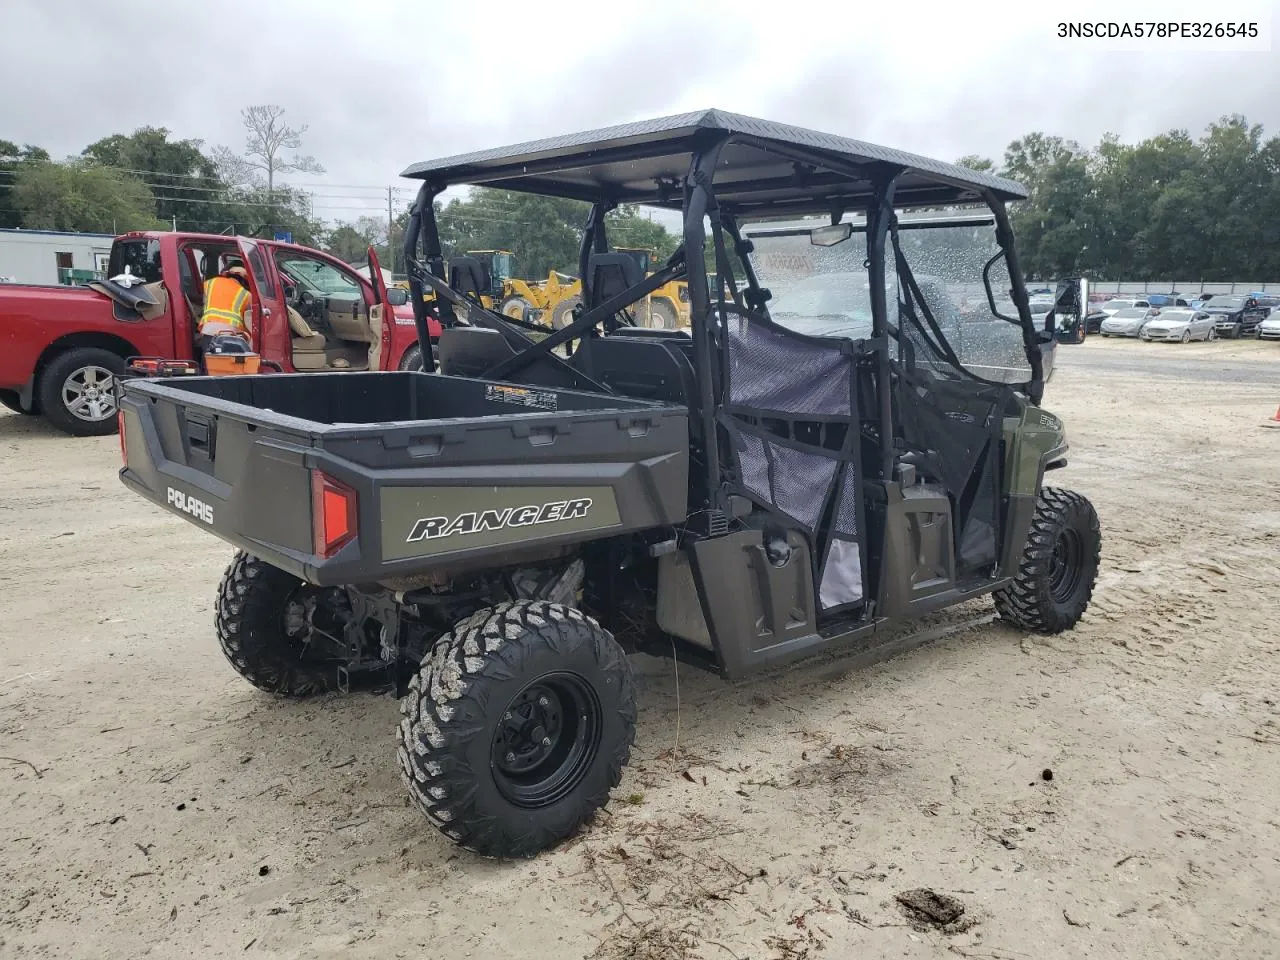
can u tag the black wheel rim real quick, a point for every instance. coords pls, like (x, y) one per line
(1065, 566)
(546, 740)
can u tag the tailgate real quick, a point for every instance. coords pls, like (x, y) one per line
(224, 473)
(412, 496)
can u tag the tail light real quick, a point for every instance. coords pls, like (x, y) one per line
(124, 447)
(333, 514)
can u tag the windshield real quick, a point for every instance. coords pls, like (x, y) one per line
(825, 291)
(1234, 303)
(1116, 304)
(834, 304)
(319, 277)
(1176, 316)
(1131, 313)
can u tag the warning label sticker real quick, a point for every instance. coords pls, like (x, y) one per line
(519, 396)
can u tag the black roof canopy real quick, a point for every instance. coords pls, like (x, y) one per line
(766, 167)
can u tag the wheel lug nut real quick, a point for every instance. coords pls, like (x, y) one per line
(544, 702)
(546, 741)
(506, 716)
(511, 758)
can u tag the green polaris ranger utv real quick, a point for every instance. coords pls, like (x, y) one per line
(849, 436)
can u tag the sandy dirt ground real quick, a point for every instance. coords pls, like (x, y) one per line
(156, 805)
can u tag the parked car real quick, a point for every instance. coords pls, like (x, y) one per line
(61, 346)
(1120, 303)
(1180, 325)
(1236, 314)
(1128, 322)
(1269, 329)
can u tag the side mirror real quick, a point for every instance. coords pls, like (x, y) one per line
(830, 236)
(397, 296)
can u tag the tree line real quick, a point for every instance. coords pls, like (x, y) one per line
(1171, 206)
(147, 181)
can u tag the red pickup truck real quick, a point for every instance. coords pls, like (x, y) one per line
(60, 346)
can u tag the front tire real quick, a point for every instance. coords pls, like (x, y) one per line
(77, 394)
(517, 726)
(261, 635)
(1059, 565)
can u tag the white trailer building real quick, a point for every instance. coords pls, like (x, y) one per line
(49, 257)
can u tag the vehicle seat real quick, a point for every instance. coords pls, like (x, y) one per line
(468, 276)
(470, 351)
(308, 346)
(644, 367)
(611, 274)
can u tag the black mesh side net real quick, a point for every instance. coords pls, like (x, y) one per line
(791, 416)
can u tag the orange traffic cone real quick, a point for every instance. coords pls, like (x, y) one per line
(1273, 421)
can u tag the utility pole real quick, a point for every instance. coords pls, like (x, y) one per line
(391, 254)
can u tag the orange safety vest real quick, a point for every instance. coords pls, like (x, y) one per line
(226, 306)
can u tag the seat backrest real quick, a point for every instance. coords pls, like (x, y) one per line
(647, 368)
(611, 274)
(470, 351)
(468, 276)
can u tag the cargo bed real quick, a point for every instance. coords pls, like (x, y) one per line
(365, 477)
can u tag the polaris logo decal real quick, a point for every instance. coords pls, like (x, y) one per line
(196, 508)
(432, 528)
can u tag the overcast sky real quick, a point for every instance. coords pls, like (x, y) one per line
(383, 83)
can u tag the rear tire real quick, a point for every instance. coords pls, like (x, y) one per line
(9, 398)
(515, 307)
(1059, 565)
(412, 359)
(251, 620)
(562, 315)
(76, 392)
(517, 726)
(664, 315)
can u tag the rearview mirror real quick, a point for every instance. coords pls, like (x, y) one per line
(830, 236)
(397, 296)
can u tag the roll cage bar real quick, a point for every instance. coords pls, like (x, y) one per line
(815, 186)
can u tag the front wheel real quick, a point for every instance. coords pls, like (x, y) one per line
(517, 726)
(1186, 336)
(1211, 336)
(1059, 565)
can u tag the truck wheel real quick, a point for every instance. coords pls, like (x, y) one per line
(263, 630)
(1059, 565)
(664, 316)
(412, 359)
(515, 307)
(76, 392)
(562, 315)
(9, 398)
(517, 726)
